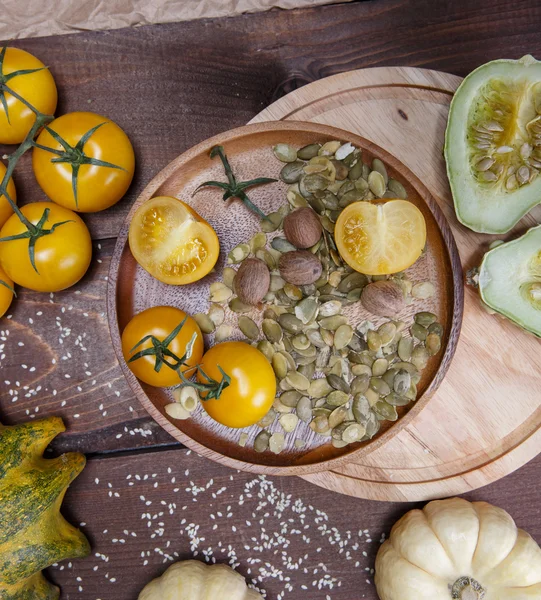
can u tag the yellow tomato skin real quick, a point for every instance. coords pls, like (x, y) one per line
(62, 257)
(39, 89)
(6, 295)
(98, 187)
(252, 390)
(5, 208)
(160, 321)
(172, 242)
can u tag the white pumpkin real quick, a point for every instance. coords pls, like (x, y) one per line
(455, 549)
(193, 580)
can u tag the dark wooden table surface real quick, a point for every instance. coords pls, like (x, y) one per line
(143, 500)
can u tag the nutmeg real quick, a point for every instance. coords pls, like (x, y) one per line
(252, 281)
(383, 298)
(299, 267)
(302, 227)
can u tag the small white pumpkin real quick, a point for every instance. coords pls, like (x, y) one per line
(455, 549)
(194, 580)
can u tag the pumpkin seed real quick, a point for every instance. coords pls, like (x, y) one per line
(291, 363)
(411, 369)
(285, 153)
(360, 384)
(268, 419)
(338, 383)
(436, 328)
(337, 398)
(319, 388)
(352, 281)
(304, 360)
(265, 347)
(342, 336)
(219, 292)
(320, 424)
(277, 442)
(372, 426)
(379, 386)
(397, 188)
(282, 245)
(323, 356)
(290, 323)
(334, 278)
(267, 258)
(377, 165)
(316, 203)
(329, 148)
(386, 410)
(300, 342)
(272, 331)
(238, 306)
(216, 314)
(330, 200)
(423, 291)
(379, 367)
(389, 376)
(361, 409)
(298, 381)
(308, 370)
(238, 254)
(372, 396)
(419, 332)
(292, 171)
(331, 308)
(223, 332)
(356, 171)
(314, 183)
(344, 150)
(376, 183)
(309, 352)
(332, 323)
(205, 322)
(353, 433)
(361, 369)
(337, 416)
(419, 357)
(271, 222)
(309, 289)
(261, 441)
(285, 387)
(307, 310)
(387, 333)
(259, 240)
(433, 343)
(308, 152)
(296, 200)
(357, 344)
(425, 319)
(374, 340)
(228, 276)
(280, 365)
(315, 338)
(405, 348)
(280, 407)
(395, 400)
(402, 382)
(288, 422)
(248, 327)
(304, 409)
(243, 439)
(293, 292)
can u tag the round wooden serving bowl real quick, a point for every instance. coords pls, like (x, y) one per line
(249, 149)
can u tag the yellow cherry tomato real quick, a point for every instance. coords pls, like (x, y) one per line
(252, 384)
(37, 88)
(97, 170)
(6, 292)
(380, 238)
(161, 322)
(5, 208)
(62, 257)
(172, 242)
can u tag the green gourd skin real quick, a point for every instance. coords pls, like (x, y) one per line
(34, 534)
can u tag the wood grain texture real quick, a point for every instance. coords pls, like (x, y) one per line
(171, 86)
(143, 512)
(249, 150)
(485, 419)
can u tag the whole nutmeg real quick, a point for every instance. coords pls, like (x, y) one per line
(302, 227)
(299, 267)
(252, 281)
(383, 298)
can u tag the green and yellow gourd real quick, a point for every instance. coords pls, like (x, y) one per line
(33, 533)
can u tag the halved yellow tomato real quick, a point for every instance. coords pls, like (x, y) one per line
(172, 242)
(380, 238)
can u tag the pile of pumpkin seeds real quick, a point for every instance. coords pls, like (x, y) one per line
(339, 378)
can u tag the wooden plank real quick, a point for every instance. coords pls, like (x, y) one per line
(143, 512)
(171, 86)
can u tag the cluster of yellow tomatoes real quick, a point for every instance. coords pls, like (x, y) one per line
(82, 161)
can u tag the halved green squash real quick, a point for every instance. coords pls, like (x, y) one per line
(493, 144)
(510, 280)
